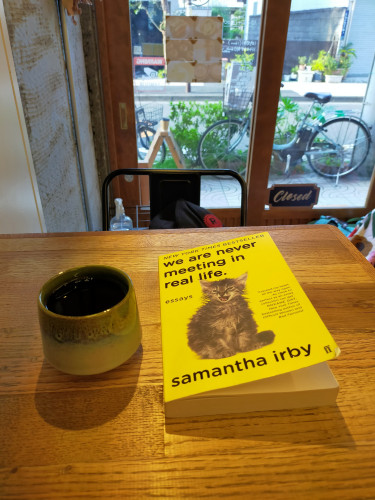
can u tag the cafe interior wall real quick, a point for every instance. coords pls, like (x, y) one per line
(20, 207)
(49, 62)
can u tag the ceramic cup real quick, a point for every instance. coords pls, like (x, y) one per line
(89, 319)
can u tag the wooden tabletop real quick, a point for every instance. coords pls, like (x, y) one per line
(105, 436)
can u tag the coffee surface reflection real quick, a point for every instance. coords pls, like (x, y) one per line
(86, 295)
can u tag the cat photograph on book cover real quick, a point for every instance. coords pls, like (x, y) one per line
(224, 325)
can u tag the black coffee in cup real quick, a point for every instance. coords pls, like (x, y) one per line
(86, 295)
(89, 319)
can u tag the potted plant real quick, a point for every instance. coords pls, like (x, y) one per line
(346, 56)
(304, 74)
(332, 72)
(317, 66)
(335, 68)
(302, 62)
(294, 73)
(309, 63)
(329, 65)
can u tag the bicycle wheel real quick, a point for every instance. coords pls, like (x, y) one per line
(225, 145)
(339, 147)
(145, 137)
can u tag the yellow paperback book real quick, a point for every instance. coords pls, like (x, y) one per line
(239, 333)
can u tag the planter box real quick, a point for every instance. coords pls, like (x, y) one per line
(305, 76)
(333, 78)
(318, 76)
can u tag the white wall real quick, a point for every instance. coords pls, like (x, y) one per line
(362, 35)
(20, 206)
(317, 4)
(300, 5)
(58, 150)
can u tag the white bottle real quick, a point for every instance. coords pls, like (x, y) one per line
(120, 222)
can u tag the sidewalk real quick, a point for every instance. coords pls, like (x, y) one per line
(340, 91)
(350, 192)
(158, 90)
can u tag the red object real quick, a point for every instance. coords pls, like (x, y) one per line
(211, 220)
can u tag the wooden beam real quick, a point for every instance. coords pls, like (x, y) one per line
(113, 23)
(272, 42)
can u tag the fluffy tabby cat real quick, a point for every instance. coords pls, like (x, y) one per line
(224, 324)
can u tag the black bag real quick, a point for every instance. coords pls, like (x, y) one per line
(184, 214)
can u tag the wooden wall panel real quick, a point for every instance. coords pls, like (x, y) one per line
(114, 38)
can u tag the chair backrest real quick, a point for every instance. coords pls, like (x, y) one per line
(167, 186)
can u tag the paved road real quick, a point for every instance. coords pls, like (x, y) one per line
(157, 89)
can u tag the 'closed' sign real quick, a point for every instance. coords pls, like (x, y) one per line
(293, 195)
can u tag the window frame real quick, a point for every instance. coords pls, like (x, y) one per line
(113, 25)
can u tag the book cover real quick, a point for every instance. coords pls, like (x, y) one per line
(232, 312)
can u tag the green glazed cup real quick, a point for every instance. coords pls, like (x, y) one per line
(97, 328)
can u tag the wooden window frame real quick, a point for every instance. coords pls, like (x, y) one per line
(273, 35)
(113, 24)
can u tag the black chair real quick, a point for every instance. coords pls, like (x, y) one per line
(167, 186)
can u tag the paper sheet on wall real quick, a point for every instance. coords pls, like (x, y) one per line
(194, 48)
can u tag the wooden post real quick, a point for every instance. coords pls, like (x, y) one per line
(163, 134)
(272, 42)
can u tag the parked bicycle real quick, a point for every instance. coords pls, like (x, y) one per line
(333, 147)
(147, 117)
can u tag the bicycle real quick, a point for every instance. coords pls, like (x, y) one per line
(146, 119)
(334, 147)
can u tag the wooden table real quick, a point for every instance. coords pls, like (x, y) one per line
(105, 436)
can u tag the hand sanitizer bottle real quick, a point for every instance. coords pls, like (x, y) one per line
(120, 222)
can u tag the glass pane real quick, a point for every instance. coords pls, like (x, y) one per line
(327, 102)
(209, 122)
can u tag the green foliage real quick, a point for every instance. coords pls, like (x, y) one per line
(317, 113)
(318, 63)
(288, 116)
(238, 22)
(223, 12)
(154, 11)
(233, 22)
(346, 55)
(190, 119)
(326, 63)
(135, 7)
(329, 65)
(168, 164)
(234, 33)
(245, 59)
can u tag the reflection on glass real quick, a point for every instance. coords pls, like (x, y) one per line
(208, 121)
(322, 135)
